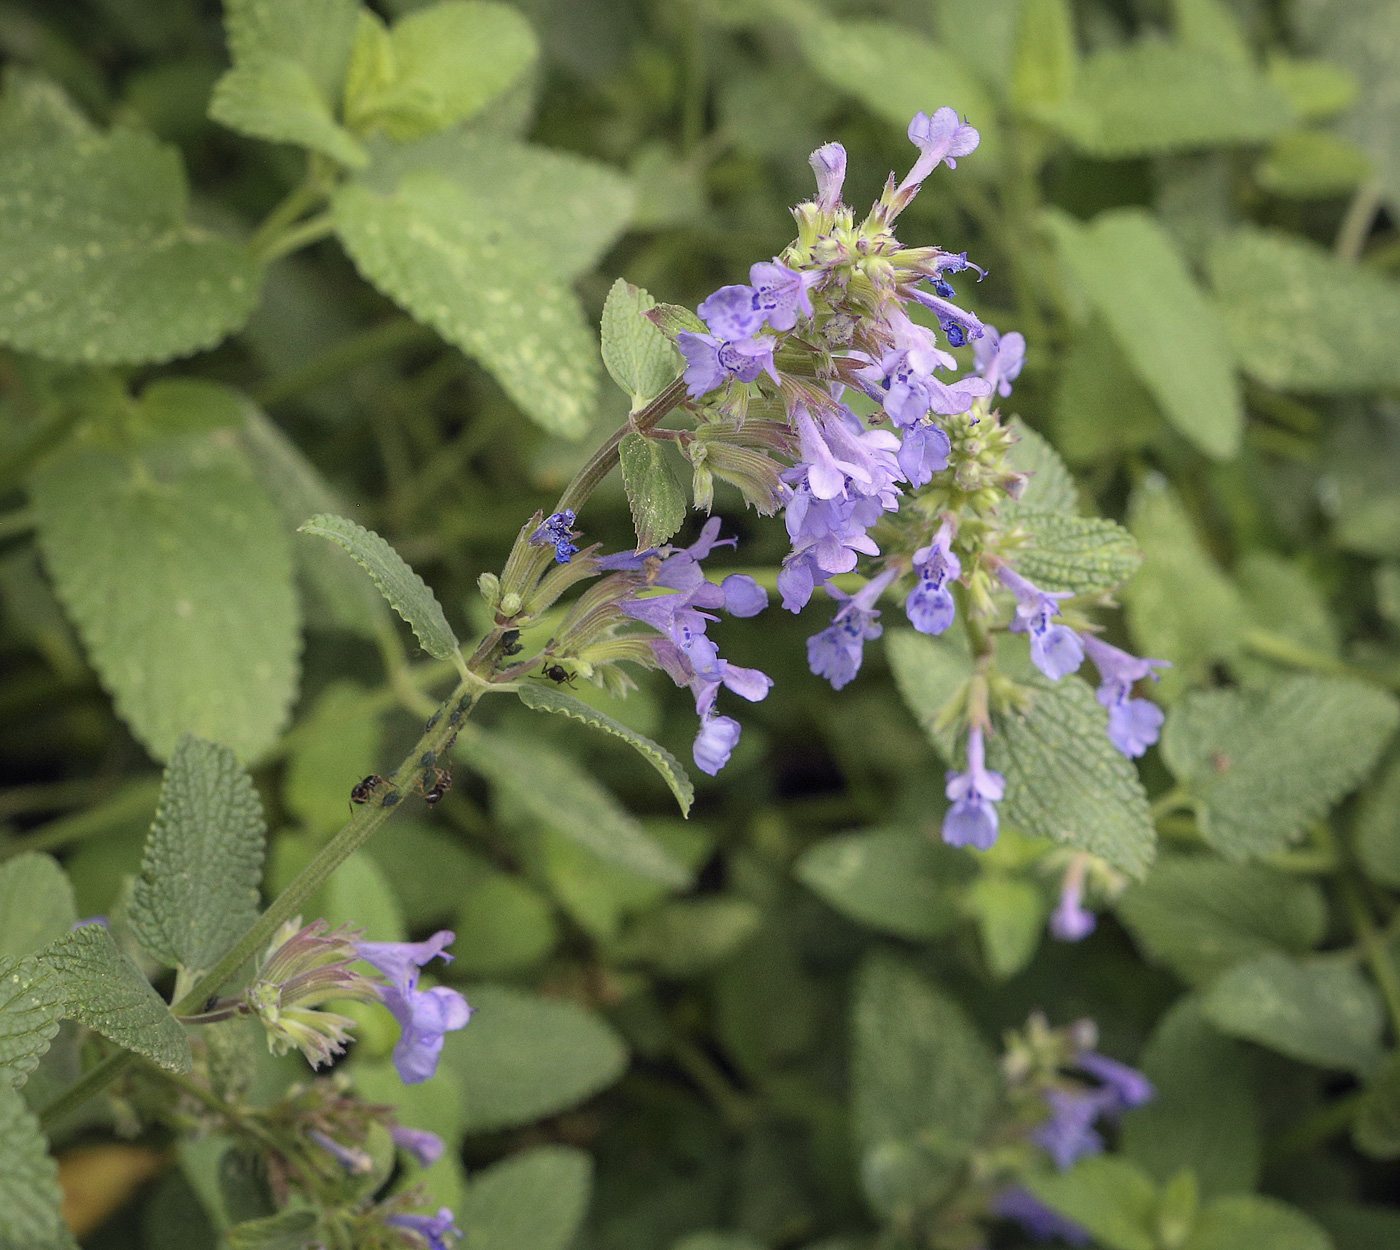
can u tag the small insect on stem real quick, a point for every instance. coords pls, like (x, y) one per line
(366, 790)
(442, 783)
(510, 643)
(558, 674)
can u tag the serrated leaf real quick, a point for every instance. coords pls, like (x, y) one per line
(900, 883)
(1113, 1199)
(654, 495)
(924, 1086)
(106, 991)
(31, 1005)
(465, 232)
(436, 66)
(407, 593)
(1065, 781)
(639, 357)
(525, 1057)
(289, 63)
(1083, 555)
(1251, 1222)
(98, 264)
(1133, 275)
(534, 1200)
(36, 904)
(542, 698)
(1300, 319)
(1324, 1013)
(1264, 763)
(30, 1197)
(929, 672)
(554, 790)
(1200, 916)
(174, 567)
(1049, 485)
(198, 889)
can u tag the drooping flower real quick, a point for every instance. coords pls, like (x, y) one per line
(930, 604)
(1128, 1087)
(425, 1016)
(712, 361)
(557, 531)
(1071, 921)
(829, 165)
(355, 1161)
(424, 1146)
(1055, 649)
(972, 819)
(940, 140)
(1069, 1134)
(1041, 1222)
(434, 1230)
(837, 651)
(1133, 724)
(1000, 358)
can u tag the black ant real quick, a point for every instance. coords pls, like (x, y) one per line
(442, 783)
(558, 674)
(365, 790)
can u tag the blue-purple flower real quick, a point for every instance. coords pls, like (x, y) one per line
(1069, 1134)
(999, 358)
(433, 1229)
(940, 140)
(837, 651)
(355, 1161)
(1071, 921)
(1133, 724)
(776, 294)
(557, 531)
(424, 1146)
(425, 1016)
(930, 604)
(828, 163)
(711, 361)
(1124, 1086)
(972, 819)
(1055, 649)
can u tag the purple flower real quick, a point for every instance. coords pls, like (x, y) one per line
(711, 361)
(829, 165)
(433, 1229)
(972, 819)
(783, 294)
(923, 452)
(930, 604)
(557, 530)
(715, 743)
(355, 1161)
(902, 381)
(957, 323)
(1055, 649)
(424, 1016)
(940, 139)
(1126, 1087)
(424, 1146)
(1071, 921)
(1042, 1223)
(999, 358)
(1069, 1134)
(1133, 724)
(837, 651)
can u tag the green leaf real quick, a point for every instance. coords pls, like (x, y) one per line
(1360, 1226)
(639, 357)
(924, 1086)
(889, 69)
(534, 1200)
(1065, 781)
(1264, 763)
(1153, 97)
(289, 63)
(1363, 480)
(542, 698)
(1300, 319)
(503, 925)
(1376, 1129)
(1285, 599)
(36, 904)
(336, 745)
(1378, 828)
(407, 593)
(31, 1005)
(174, 567)
(723, 1241)
(1312, 164)
(1050, 486)
(1111, 1197)
(688, 936)
(100, 264)
(1101, 410)
(900, 883)
(287, 1230)
(1136, 280)
(1200, 916)
(30, 1196)
(1180, 606)
(439, 65)
(653, 493)
(107, 992)
(524, 1057)
(929, 672)
(555, 791)
(1083, 555)
(464, 231)
(1251, 1222)
(198, 889)
(1046, 59)
(1206, 1115)
(1324, 1013)
(1010, 915)
(35, 111)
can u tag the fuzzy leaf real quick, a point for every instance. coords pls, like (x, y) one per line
(534, 1200)
(31, 1004)
(1050, 487)
(639, 357)
(1084, 555)
(36, 904)
(1251, 1222)
(1265, 763)
(198, 889)
(30, 1197)
(1376, 1129)
(654, 495)
(1113, 1199)
(929, 672)
(541, 698)
(407, 593)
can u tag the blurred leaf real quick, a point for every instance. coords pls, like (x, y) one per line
(101, 265)
(1046, 57)
(1299, 319)
(1359, 1226)
(1083, 555)
(1137, 281)
(929, 672)
(30, 1198)
(1285, 600)
(523, 1057)
(35, 111)
(1316, 89)
(1323, 1013)
(1206, 1115)
(1264, 763)
(1200, 916)
(654, 494)
(1065, 781)
(1312, 164)
(1049, 486)
(1376, 1129)
(36, 904)
(287, 1230)
(895, 882)
(1211, 27)
(198, 889)
(175, 569)
(428, 898)
(1111, 1197)
(1101, 410)
(406, 592)
(1361, 491)
(1010, 914)
(639, 357)
(718, 1241)
(688, 936)
(337, 744)
(534, 1200)
(1250, 1222)
(503, 924)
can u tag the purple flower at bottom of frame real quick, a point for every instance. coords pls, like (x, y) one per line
(424, 1146)
(930, 604)
(1055, 649)
(711, 361)
(557, 531)
(425, 1016)
(972, 819)
(940, 140)
(1133, 724)
(1071, 921)
(433, 1229)
(1069, 1134)
(828, 163)
(1040, 1221)
(837, 651)
(1126, 1086)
